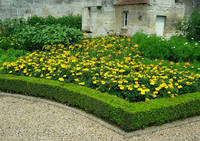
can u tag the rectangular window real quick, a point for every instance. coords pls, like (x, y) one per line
(126, 18)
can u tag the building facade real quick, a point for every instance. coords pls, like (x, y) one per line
(131, 16)
(27, 8)
(102, 17)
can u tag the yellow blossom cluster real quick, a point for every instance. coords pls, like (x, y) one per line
(109, 64)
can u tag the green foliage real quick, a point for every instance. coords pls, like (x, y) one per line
(8, 42)
(11, 55)
(181, 49)
(67, 21)
(176, 49)
(190, 26)
(11, 26)
(35, 37)
(151, 46)
(127, 116)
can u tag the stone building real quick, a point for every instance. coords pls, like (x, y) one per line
(108, 16)
(26, 8)
(130, 16)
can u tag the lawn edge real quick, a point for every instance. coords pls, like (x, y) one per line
(127, 116)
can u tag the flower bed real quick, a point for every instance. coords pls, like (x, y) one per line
(109, 64)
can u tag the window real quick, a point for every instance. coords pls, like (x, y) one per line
(126, 18)
(178, 1)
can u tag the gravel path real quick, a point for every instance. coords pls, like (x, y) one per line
(27, 120)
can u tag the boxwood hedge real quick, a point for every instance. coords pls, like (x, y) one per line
(127, 116)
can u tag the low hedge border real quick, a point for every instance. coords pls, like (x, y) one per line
(127, 116)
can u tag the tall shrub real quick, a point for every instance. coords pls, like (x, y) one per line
(35, 37)
(68, 21)
(190, 27)
(11, 26)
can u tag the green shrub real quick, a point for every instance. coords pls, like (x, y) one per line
(7, 42)
(11, 26)
(151, 46)
(190, 26)
(11, 55)
(35, 37)
(67, 21)
(127, 116)
(176, 49)
(183, 50)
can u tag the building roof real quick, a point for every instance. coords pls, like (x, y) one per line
(132, 2)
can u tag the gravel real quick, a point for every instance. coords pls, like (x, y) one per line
(30, 119)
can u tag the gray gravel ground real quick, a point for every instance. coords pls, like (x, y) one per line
(27, 120)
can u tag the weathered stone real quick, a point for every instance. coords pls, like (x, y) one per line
(104, 16)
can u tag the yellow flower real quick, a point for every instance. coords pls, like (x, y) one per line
(154, 95)
(172, 96)
(130, 88)
(147, 99)
(103, 82)
(61, 79)
(122, 70)
(82, 83)
(176, 84)
(136, 45)
(49, 77)
(152, 83)
(121, 87)
(136, 86)
(180, 86)
(143, 92)
(76, 79)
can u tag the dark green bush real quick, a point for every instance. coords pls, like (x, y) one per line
(10, 26)
(151, 46)
(8, 42)
(35, 37)
(67, 21)
(190, 26)
(182, 49)
(176, 49)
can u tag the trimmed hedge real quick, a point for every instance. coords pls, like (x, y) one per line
(127, 116)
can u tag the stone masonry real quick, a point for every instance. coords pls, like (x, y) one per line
(106, 16)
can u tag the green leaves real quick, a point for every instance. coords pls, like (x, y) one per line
(35, 37)
(67, 21)
(190, 26)
(175, 49)
(11, 55)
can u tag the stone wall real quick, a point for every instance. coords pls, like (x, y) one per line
(143, 17)
(99, 17)
(190, 5)
(26, 8)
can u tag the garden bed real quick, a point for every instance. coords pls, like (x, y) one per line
(130, 82)
(128, 116)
